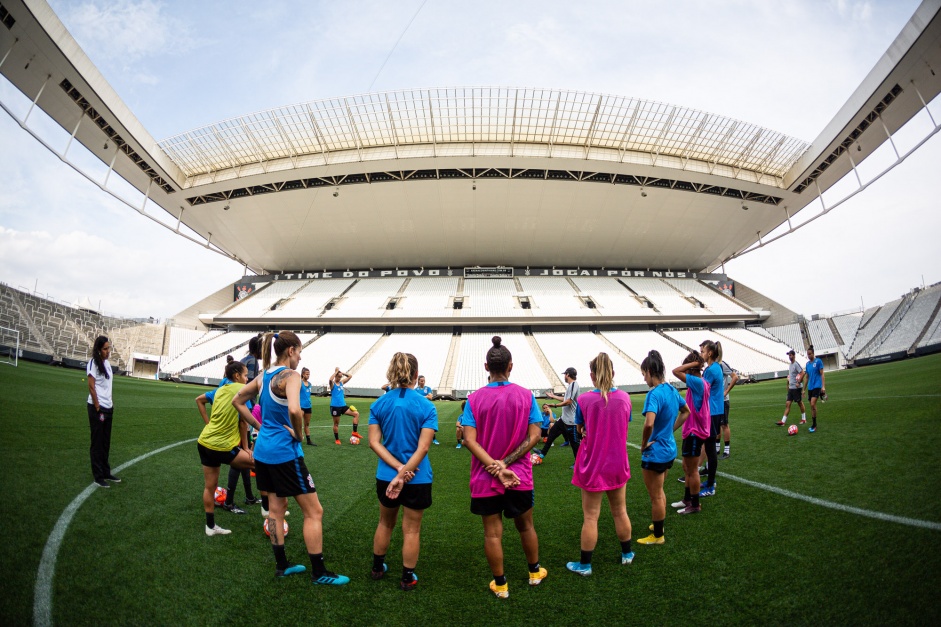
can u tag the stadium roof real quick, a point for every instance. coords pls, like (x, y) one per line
(520, 119)
(467, 176)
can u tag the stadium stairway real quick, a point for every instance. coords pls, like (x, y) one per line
(35, 336)
(544, 363)
(362, 360)
(446, 385)
(730, 339)
(692, 300)
(617, 350)
(883, 333)
(675, 341)
(930, 325)
(836, 332)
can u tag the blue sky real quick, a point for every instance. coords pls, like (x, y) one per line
(179, 65)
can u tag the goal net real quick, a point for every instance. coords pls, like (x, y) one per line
(9, 346)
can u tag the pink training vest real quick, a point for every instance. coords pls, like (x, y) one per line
(699, 421)
(502, 416)
(602, 455)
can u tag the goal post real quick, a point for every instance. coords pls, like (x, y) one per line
(9, 346)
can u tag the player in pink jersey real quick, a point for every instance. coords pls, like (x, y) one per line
(695, 419)
(501, 425)
(601, 466)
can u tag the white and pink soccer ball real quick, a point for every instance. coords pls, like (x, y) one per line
(792, 430)
(535, 459)
(220, 495)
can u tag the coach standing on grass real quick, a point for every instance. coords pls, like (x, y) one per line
(565, 426)
(100, 411)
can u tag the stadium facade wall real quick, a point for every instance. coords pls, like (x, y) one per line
(779, 314)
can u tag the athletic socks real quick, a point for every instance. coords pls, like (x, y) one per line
(534, 568)
(247, 484)
(658, 528)
(803, 416)
(408, 575)
(264, 503)
(586, 557)
(210, 520)
(695, 499)
(308, 440)
(626, 546)
(336, 435)
(234, 474)
(316, 564)
(727, 447)
(717, 446)
(279, 556)
(355, 428)
(378, 561)
(686, 497)
(499, 580)
(784, 418)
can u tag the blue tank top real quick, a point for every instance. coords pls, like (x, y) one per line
(337, 397)
(275, 444)
(305, 394)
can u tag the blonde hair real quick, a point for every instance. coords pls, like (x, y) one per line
(401, 370)
(603, 370)
(281, 342)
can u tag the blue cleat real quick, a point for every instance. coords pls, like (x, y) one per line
(811, 430)
(580, 569)
(709, 490)
(290, 570)
(331, 579)
(627, 558)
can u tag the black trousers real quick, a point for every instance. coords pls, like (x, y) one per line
(99, 422)
(568, 433)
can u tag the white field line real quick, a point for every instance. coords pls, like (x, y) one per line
(868, 513)
(42, 595)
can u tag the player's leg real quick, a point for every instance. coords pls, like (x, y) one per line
(653, 480)
(336, 425)
(530, 540)
(617, 501)
(210, 483)
(726, 433)
(591, 509)
(307, 414)
(691, 453)
(459, 435)
(800, 404)
(383, 537)
(411, 544)
(813, 413)
(556, 430)
(355, 415)
(493, 549)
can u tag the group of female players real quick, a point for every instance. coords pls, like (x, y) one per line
(501, 423)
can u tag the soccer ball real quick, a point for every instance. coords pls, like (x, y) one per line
(221, 494)
(535, 459)
(792, 430)
(265, 527)
(354, 439)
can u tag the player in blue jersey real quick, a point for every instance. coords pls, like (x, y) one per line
(305, 403)
(427, 392)
(816, 384)
(658, 446)
(402, 425)
(279, 458)
(338, 406)
(712, 374)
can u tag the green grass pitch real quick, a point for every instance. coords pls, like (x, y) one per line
(137, 553)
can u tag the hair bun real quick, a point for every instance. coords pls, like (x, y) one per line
(496, 341)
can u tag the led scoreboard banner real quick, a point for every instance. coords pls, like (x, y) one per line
(477, 272)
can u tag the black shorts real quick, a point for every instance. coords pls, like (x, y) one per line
(214, 459)
(287, 479)
(692, 446)
(658, 467)
(795, 396)
(725, 416)
(413, 495)
(716, 423)
(336, 412)
(511, 503)
(306, 411)
(814, 393)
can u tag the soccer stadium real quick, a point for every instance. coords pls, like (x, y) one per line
(617, 216)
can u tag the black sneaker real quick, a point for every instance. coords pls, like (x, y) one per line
(253, 501)
(230, 507)
(112, 479)
(101, 483)
(682, 479)
(725, 456)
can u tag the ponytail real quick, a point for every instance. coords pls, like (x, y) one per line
(603, 370)
(402, 369)
(718, 355)
(653, 365)
(280, 342)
